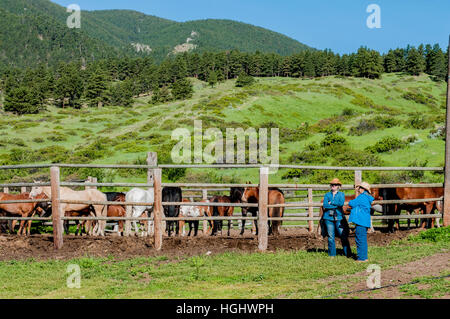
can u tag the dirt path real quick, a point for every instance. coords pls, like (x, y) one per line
(431, 266)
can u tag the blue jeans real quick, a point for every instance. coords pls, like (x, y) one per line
(361, 242)
(340, 228)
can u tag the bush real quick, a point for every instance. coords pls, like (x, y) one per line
(417, 121)
(386, 144)
(244, 80)
(333, 139)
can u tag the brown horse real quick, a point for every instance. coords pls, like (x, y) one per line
(221, 211)
(275, 196)
(118, 211)
(21, 209)
(86, 195)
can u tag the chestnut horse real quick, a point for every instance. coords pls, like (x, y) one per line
(221, 211)
(275, 196)
(236, 197)
(22, 209)
(86, 195)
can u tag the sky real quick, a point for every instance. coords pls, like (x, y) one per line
(340, 25)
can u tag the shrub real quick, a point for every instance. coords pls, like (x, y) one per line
(418, 121)
(38, 140)
(386, 144)
(244, 80)
(333, 139)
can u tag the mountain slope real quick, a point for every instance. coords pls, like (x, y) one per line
(35, 31)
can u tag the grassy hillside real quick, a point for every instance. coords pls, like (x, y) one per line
(407, 107)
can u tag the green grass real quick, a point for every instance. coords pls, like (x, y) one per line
(281, 274)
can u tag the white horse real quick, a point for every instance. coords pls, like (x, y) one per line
(139, 195)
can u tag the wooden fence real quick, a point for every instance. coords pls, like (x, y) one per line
(154, 173)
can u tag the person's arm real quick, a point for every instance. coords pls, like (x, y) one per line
(338, 200)
(355, 202)
(327, 202)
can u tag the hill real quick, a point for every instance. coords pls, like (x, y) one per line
(35, 31)
(354, 113)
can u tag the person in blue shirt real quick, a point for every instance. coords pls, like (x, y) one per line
(334, 221)
(360, 216)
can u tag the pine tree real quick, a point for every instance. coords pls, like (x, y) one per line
(415, 62)
(437, 63)
(212, 78)
(96, 88)
(22, 100)
(182, 89)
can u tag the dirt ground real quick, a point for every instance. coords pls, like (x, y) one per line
(40, 247)
(392, 279)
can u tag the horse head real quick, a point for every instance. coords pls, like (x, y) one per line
(36, 190)
(250, 192)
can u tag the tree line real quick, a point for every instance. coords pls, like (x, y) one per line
(115, 81)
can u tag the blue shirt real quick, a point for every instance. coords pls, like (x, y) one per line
(332, 206)
(360, 214)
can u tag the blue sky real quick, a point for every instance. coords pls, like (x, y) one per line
(336, 24)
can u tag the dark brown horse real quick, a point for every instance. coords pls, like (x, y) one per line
(275, 196)
(221, 211)
(236, 197)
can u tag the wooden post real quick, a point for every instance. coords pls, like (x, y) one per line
(6, 190)
(358, 177)
(263, 227)
(56, 209)
(205, 222)
(310, 210)
(158, 209)
(446, 210)
(152, 159)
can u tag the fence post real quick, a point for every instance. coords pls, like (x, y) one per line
(56, 209)
(358, 177)
(6, 190)
(205, 222)
(152, 160)
(23, 189)
(446, 210)
(263, 228)
(310, 210)
(158, 209)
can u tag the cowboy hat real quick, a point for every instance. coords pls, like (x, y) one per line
(364, 185)
(335, 181)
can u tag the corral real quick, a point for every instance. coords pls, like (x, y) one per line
(262, 239)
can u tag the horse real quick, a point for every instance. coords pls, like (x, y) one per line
(236, 197)
(221, 211)
(138, 195)
(275, 196)
(66, 193)
(190, 211)
(172, 194)
(22, 209)
(116, 210)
